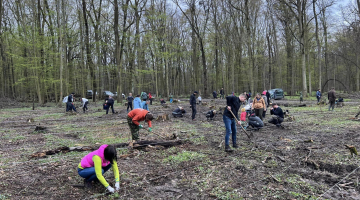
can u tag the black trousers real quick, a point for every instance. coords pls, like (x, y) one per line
(85, 106)
(150, 101)
(193, 108)
(276, 120)
(112, 108)
(259, 113)
(129, 105)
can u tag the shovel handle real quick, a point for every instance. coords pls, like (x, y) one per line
(240, 124)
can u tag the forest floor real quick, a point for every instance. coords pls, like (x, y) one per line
(274, 164)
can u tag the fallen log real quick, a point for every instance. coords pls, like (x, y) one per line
(136, 145)
(294, 105)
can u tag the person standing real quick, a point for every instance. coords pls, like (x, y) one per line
(318, 95)
(130, 99)
(268, 96)
(134, 117)
(193, 104)
(222, 93)
(150, 98)
(278, 117)
(266, 104)
(84, 102)
(171, 98)
(137, 102)
(259, 106)
(110, 103)
(233, 105)
(331, 98)
(199, 99)
(95, 164)
(70, 104)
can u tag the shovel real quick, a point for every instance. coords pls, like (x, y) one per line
(240, 125)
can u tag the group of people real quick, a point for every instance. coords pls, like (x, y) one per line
(222, 94)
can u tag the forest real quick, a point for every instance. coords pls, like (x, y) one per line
(50, 48)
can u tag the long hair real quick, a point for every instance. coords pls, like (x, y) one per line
(110, 153)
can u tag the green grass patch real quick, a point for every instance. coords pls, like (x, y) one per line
(184, 157)
(50, 116)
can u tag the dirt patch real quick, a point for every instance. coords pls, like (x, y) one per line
(282, 165)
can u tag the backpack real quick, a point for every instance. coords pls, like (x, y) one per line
(65, 100)
(144, 95)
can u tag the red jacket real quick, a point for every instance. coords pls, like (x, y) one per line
(138, 115)
(243, 116)
(150, 96)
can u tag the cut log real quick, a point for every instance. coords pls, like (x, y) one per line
(136, 145)
(294, 105)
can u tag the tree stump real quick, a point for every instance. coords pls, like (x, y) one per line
(164, 105)
(126, 103)
(204, 103)
(163, 117)
(175, 101)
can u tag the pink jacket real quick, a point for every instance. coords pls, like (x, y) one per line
(243, 116)
(87, 161)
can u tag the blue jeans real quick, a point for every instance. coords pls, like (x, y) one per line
(230, 125)
(89, 173)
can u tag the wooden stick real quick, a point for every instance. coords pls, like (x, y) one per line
(240, 124)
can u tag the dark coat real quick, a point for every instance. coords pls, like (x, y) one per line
(331, 96)
(278, 112)
(192, 99)
(234, 103)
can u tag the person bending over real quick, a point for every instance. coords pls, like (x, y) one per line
(95, 164)
(179, 112)
(211, 114)
(134, 117)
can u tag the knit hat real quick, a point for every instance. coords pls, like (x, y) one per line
(196, 92)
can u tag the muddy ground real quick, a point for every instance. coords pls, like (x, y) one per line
(275, 164)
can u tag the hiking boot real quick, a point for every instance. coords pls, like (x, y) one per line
(228, 149)
(235, 146)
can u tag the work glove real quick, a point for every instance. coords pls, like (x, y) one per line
(110, 189)
(117, 186)
(149, 129)
(140, 126)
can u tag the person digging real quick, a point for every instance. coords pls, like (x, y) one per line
(230, 113)
(278, 115)
(135, 117)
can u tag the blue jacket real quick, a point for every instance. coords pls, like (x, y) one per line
(137, 103)
(318, 94)
(145, 106)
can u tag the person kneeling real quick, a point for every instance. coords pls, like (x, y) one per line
(255, 121)
(179, 112)
(278, 117)
(211, 114)
(95, 164)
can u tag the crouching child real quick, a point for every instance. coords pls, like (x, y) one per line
(95, 164)
(211, 114)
